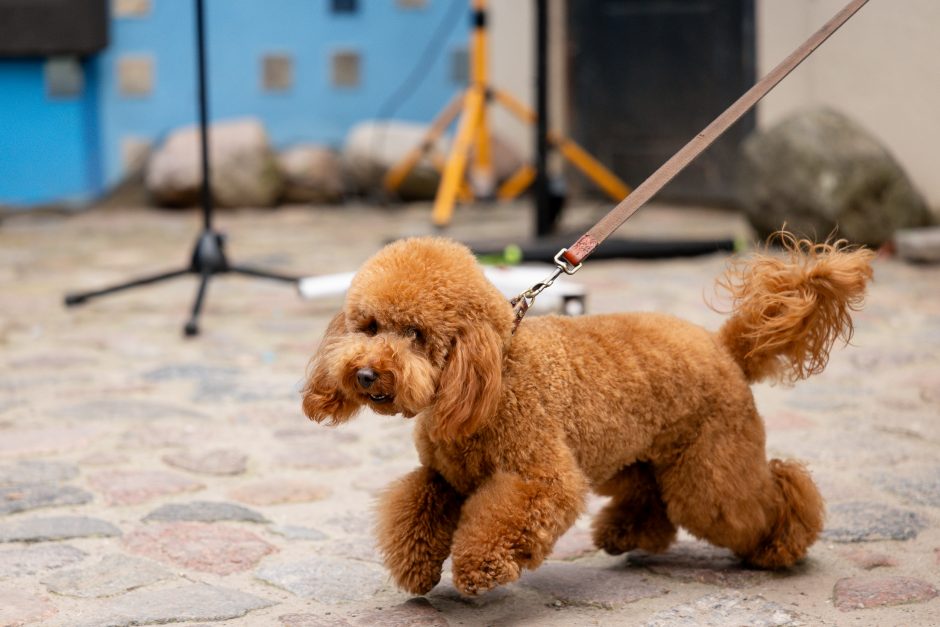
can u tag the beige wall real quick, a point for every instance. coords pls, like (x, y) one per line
(512, 64)
(882, 69)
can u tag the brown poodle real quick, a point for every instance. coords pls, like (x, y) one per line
(513, 430)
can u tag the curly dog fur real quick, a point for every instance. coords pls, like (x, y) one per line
(512, 431)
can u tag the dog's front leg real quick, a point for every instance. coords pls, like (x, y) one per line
(417, 518)
(512, 522)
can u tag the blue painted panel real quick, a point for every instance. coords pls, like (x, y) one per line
(46, 144)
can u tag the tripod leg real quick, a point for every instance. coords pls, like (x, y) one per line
(400, 170)
(192, 327)
(457, 160)
(264, 274)
(575, 154)
(517, 183)
(81, 297)
(590, 167)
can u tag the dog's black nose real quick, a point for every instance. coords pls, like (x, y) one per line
(366, 377)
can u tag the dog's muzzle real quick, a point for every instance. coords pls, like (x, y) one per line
(366, 378)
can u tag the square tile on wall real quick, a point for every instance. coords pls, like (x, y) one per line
(277, 72)
(135, 75)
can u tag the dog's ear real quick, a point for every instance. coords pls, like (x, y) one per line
(322, 396)
(470, 384)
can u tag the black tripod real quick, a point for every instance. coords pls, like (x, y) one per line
(208, 256)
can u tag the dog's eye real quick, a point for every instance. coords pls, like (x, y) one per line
(414, 334)
(371, 328)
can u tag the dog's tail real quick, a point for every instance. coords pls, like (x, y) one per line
(788, 312)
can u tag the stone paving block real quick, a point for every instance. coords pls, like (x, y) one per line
(729, 609)
(190, 602)
(157, 435)
(864, 521)
(278, 491)
(355, 523)
(19, 607)
(113, 409)
(361, 548)
(191, 372)
(917, 487)
(870, 559)
(199, 546)
(417, 612)
(313, 620)
(856, 593)
(37, 558)
(29, 472)
(34, 496)
(204, 511)
(121, 487)
(582, 585)
(702, 563)
(316, 432)
(112, 575)
(327, 580)
(218, 462)
(316, 456)
(56, 528)
(294, 532)
(44, 440)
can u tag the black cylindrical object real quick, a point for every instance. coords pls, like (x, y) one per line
(201, 81)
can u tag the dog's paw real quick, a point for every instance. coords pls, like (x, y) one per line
(414, 575)
(419, 581)
(616, 540)
(473, 576)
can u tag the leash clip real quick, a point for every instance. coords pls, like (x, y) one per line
(522, 302)
(562, 262)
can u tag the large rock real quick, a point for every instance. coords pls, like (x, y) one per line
(372, 147)
(816, 171)
(245, 172)
(312, 174)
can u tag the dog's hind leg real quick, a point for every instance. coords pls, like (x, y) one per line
(721, 488)
(636, 516)
(417, 518)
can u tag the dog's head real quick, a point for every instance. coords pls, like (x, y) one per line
(422, 330)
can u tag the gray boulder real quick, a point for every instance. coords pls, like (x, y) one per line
(245, 172)
(819, 172)
(372, 147)
(312, 174)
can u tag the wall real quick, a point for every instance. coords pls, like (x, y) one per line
(47, 145)
(881, 69)
(389, 36)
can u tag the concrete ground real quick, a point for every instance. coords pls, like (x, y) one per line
(147, 478)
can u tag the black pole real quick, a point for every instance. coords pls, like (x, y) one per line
(203, 114)
(544, 214)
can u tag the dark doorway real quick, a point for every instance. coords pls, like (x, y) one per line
(644, 76)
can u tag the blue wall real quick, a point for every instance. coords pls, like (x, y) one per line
(48, 146)
(70, 149)
(240, 32)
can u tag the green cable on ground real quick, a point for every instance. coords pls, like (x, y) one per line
(510, 256)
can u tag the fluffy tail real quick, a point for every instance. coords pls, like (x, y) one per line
(788, 312)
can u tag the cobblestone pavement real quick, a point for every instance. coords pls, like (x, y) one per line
(147, 478)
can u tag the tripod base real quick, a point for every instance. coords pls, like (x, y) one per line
(208, 259)
(545, 249)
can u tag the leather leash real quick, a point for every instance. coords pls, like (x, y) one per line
(569, 259)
